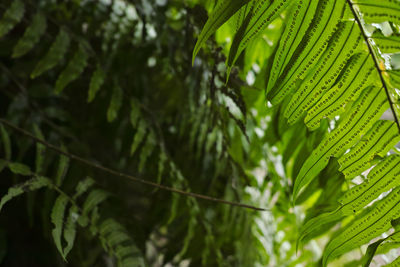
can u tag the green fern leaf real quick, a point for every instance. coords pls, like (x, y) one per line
(94, 198)
(11, 17)
(115, 238)
(381, 246)
(381, 178)
(223, 11)
(299, 19)
(83, 186)
(310, 49)
(30, 185)
(358, 74)
(378, 141)
(62, 169)
(139, 136)
(118, 243)
(390, 44)
(19, 168)
(54, 55)
(258, 19)
(57, 218)
(135, 113)
(344, 43)
(70, 230)
(108, 226)
(74, 68)
(371, 223)
(161, 165)
(40, 150)
(147, 149)
(395, 263)
(96, 82)
(132, 261)
(31, 36)
(115, 104)
(379, 11)
(125, 251)
(366, 110)
(5, 138)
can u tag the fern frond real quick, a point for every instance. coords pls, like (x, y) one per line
(372, 222)
(326, 67)
(365, 111)
(118, 243)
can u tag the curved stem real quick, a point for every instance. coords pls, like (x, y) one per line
(123, 175)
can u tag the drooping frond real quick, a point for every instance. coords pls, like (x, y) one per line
(327, 66)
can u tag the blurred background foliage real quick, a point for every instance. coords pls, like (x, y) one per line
(135, 103)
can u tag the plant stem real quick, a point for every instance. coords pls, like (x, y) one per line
(123, 175)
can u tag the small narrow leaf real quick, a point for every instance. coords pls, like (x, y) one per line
(115, 104)
(83, 186)
(62, 169)
(55, 54)
(31, 36)
(135, 113)
(5, 139)
(96, 82)
(40, 150)
(161, 164)
(94, 198)
(147, 149)
(70, 230)
(19, 168)
(74, 68)
(57, 218)
(139, 136)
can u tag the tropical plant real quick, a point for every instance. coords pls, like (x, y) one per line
(331, 66)
(282, 134)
